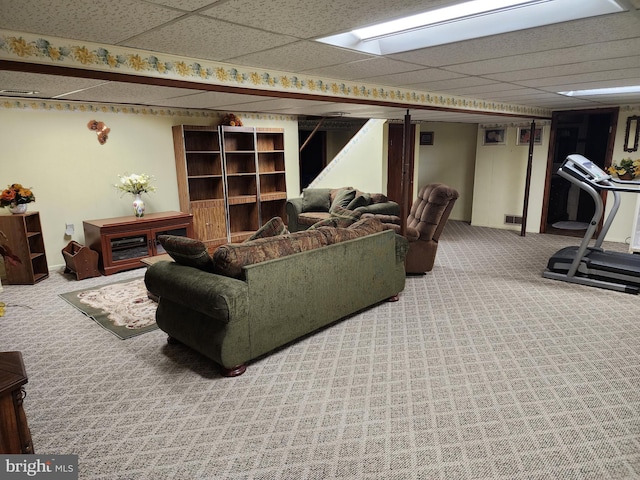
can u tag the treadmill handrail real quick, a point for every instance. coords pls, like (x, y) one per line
(570, 166)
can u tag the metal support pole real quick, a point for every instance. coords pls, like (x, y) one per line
(527, 185)
(406, 168)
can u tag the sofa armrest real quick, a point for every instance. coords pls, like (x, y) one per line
(294, 209)
(384, 208)
(213, 295)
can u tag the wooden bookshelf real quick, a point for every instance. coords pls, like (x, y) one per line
(232, 179)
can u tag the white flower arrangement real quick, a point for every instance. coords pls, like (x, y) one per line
(135, 184)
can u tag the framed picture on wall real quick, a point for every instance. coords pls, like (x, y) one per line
(426, 138)
(494, 136)
(524, 134)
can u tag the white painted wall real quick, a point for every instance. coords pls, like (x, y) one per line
(499, 181)
(360, 164)
(51, 150)
(622, 227)
(450, 160)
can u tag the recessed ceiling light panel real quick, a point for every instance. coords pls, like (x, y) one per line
(478, 18)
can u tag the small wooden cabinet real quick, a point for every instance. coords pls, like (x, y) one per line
(15, 437)
(122, 242)
(232, 179)
(24, 239)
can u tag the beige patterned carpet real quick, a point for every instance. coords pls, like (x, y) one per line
(482, 370)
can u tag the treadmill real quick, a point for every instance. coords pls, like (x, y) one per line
(594, 266)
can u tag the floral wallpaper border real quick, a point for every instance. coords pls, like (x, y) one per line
(22, 104)
(30, 48)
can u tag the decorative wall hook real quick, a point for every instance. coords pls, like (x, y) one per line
(101, 130)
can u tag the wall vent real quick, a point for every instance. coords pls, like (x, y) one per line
(513, 219)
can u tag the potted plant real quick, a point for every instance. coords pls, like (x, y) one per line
(16, 197)
(627, 169)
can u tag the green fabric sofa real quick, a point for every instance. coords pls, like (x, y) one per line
(240, 315)
(317, 204)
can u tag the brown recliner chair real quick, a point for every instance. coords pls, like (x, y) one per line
(426, 221)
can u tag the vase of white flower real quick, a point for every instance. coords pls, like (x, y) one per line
(138, 206)
(136, 185)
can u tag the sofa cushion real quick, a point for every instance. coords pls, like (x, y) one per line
(336, 234)
(336, 222)
(359, 201)
(367, 226)
(272, 228)
(229, 259)
(342, 198)
(309, 218)
(316, 199)
(342, 212)
(187, 251)
(379, 198)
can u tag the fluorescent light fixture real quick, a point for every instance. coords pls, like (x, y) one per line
(602, 91)
(466, 21)
(445, 14)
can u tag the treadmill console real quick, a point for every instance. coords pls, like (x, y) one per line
(585, 168)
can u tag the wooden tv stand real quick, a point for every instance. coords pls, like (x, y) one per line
(123, 242)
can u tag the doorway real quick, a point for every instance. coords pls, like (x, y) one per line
(567, 209)
(313, 157)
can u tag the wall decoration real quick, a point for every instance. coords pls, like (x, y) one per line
(632, 125)
(426, 138)
(524, 134)
(494, 136)
(101, 130)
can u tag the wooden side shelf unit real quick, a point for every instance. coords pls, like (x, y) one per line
(15, 437)
(25, 240)
(123, 242)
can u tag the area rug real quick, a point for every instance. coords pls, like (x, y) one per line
(123, 308)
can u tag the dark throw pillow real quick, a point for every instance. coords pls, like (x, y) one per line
(343, 198)
(272, 228)
(187, 251)
(359, 201)
(316, 199)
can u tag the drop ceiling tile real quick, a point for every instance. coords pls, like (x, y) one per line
(363, 69)
(591, 66)
(211, 100)
(609, 28)
(453, 83)
(311, 18)
(206, 38)
(130, 93)
(410, 79)
(299, 56)
(482, 89)
(186, 5)
(111, 22)
(48, 86)
(562, 56)
(631, 74)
